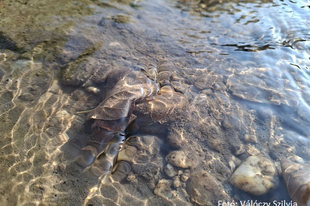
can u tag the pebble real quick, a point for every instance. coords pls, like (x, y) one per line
(184, 177)
(256, 175)
(131, 177)
(177, 158)
(176, 182)
(94, 90)
(170, 171)
(163, 188)
(204, 189)
(182, 159)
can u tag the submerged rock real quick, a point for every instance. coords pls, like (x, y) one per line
(105, 161)
(204, 189)
(168, 105)
(256, 175)
(163, 188)
(182, 159)
(115, 111)
(176, 182)
(124, 88)
(297, 180)
(170, 171)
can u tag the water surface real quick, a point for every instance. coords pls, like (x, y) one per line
(243, 67)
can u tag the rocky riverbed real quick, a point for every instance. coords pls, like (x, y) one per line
(146, 102)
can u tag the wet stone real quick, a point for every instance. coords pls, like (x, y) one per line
(131, 177)
(235, 143)
(185, 176)
(182, 159)
(140, 149)
(164, 78)
(168, 106)
(163, 188)
(169, 170)
(208, 81)
(204, 189)
(149, 171)
(122, 170)
(176, 182)
(95, 54)
(256, 175)
(297, 179)
(175, 139)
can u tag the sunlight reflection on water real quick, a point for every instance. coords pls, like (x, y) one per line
(240, 69)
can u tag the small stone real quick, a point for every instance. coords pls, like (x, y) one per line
(256, 175)
(184, 177)
(231, 165)
(177, 158)
(163, 188)
(176, 182)
(2, 57)
(297, 159)
(250, 138)
(122, 170)
(175, 140)
(170, 171)
(127, 153)
(131, 177)
(202, 82)
(204, 189)
(203, 6)
(94, 90)
(182, 159)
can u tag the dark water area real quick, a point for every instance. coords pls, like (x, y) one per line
(122, 102)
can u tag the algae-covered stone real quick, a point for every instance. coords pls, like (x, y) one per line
(256, 175)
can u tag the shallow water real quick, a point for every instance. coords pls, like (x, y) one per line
(239, 70)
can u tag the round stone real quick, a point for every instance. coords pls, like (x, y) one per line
(170, 171)
(256, 175)
(182, 159)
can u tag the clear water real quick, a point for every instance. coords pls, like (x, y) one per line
(243, 64)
